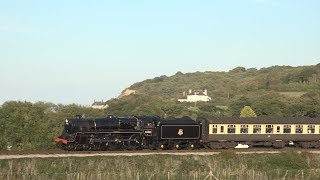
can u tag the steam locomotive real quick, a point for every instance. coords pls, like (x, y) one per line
(129, 133)
(139, 132)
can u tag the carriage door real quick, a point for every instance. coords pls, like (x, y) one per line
(278, 129)
(222, 129)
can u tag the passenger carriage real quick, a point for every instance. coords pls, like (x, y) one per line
(226, 132)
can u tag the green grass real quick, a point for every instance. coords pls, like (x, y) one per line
(227, 165)
(293, 94)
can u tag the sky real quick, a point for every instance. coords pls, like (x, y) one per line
(79, 51)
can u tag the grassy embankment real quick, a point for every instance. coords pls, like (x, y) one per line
(227, 165)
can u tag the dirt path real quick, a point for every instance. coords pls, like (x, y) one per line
(98, 154)
(62, 154)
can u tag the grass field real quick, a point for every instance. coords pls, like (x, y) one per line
(227, 165)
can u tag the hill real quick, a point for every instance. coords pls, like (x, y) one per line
(273, 91)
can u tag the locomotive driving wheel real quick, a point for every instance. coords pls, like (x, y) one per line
(135, 141)
(154, 146)
(114, 142)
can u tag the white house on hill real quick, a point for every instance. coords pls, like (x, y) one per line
(99, 105)
(194, 96)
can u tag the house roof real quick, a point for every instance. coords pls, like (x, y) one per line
(196, 92)
(97, 103)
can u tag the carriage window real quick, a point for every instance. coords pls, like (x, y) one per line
(214, 129)
(231, 129)
(269, 128)
(222, 129)
(299, 129)
(244, 129)
(311, 129)
(278, 129)
(287, 129)
(257, 129)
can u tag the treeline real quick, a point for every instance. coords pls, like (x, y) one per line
(33, 126)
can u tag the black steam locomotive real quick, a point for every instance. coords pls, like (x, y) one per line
(129, 133)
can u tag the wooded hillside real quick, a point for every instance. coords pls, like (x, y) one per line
(280, 91)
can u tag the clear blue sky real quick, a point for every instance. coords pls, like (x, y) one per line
(77, 51)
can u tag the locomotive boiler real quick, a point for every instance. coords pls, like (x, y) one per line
(108, 133)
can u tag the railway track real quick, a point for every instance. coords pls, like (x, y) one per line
(59, 154)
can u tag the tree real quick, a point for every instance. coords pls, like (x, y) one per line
(270, 105)
(247, 112)
(306, 73)
(238, 70)
(172, 109)
(235, 107)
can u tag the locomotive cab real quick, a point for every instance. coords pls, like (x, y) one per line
(148, 124)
